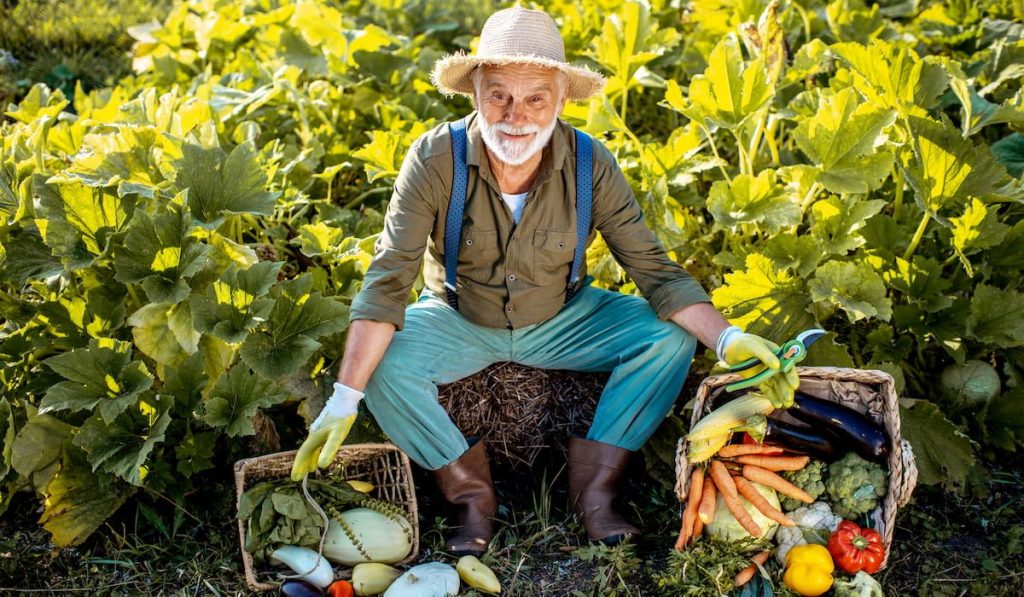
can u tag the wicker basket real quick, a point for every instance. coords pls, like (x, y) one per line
(384, 465)
(870, 392)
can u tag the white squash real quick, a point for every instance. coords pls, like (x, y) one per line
(312, 567)
(426, 580)
(378, 538)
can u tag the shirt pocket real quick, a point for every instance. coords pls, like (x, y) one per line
(553, 253)
(478, 255)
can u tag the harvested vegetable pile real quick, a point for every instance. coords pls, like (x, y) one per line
(746, 456)
(520, 410)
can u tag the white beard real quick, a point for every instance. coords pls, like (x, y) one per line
(511, 152)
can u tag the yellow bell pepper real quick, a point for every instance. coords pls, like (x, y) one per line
(809, 570)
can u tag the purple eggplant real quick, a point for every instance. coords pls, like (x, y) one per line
(861, 434)
(805, 440)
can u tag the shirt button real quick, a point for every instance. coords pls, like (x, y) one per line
(508, 308)
(469, 241)
(511, 277)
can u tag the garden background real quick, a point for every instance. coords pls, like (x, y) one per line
(190, 193)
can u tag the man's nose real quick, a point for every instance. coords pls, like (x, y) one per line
(517, 113)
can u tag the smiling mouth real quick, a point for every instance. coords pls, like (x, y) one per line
(516, 137)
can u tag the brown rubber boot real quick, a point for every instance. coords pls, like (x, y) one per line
(594, 471)
(466, 484)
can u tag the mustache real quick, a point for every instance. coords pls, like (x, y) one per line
(508, 129)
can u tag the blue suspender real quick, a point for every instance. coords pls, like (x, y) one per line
(457, 206)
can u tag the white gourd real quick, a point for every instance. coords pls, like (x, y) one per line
(426, 580)
(312, 567)
(378, 538)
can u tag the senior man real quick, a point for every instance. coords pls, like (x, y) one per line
(503, 204)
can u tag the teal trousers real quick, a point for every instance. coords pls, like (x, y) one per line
(598, 330)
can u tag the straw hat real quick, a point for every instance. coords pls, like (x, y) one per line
(515, 36)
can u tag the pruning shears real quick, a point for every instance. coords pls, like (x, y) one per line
(789, 355)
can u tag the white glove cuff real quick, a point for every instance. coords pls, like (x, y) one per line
(344, 402)
(725, 339)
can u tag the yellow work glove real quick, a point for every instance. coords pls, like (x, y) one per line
(734, 347)
(328, 431)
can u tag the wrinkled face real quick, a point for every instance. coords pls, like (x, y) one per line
(520, 105)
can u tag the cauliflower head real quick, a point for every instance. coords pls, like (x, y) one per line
(810, 479)
(816, 519)
(855, 485)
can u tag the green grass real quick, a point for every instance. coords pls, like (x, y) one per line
(945, 545)
(61, 42)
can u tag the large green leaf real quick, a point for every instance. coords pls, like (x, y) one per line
(39, 102)
(843, 140)
(38, 447)
(1006, 412)
(893, 77)
(235, 398)
(236, 303)
(629, 39)
(154, 336)
(997, 316)
(854, 287)
(222, 183)
(78, 501)
(101, 375)
(945, 169)
(728, 93)
(979, 112)
(979, 228)
(1010, 153)
(837, 221)
(921, 282)
(78, 222)
(126, 158)
(162, 253)
(765, 299)
(122, 447)
(942, 452)
(299, 317)
(757, 200)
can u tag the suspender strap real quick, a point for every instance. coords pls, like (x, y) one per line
(584, 197)
(456, 207)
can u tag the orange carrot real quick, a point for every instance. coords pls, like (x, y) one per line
(743, 449)
(727, 487)
(698, 528)
(775, 463)
(690, 513)
(759, 475)
(754, 497)
(722, 478)
(748, 573)
(706, 509)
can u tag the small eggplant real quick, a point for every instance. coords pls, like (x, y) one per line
(298, 588)
(806, 440)
(865, 437)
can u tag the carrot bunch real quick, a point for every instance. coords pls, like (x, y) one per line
(731, 474)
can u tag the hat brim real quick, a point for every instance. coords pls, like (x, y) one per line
(453, 74)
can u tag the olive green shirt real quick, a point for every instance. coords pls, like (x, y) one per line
(511, 275)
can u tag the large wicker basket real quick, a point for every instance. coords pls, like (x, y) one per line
(384, 465)
(870, 392)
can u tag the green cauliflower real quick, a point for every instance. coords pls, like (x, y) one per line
(861, 585)
(855, 485)
(810, 479)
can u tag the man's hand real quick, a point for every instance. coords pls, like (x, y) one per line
(328, 431)
(734, 347)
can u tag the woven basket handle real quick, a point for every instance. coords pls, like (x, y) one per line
(908, 476)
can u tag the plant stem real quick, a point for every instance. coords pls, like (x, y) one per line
(625, 101)
(898, 203)
(351, 204)
(918, 235)
(714, 150)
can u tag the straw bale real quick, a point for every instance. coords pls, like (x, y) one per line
(520, 410)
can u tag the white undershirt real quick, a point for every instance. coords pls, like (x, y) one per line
(515, 202)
